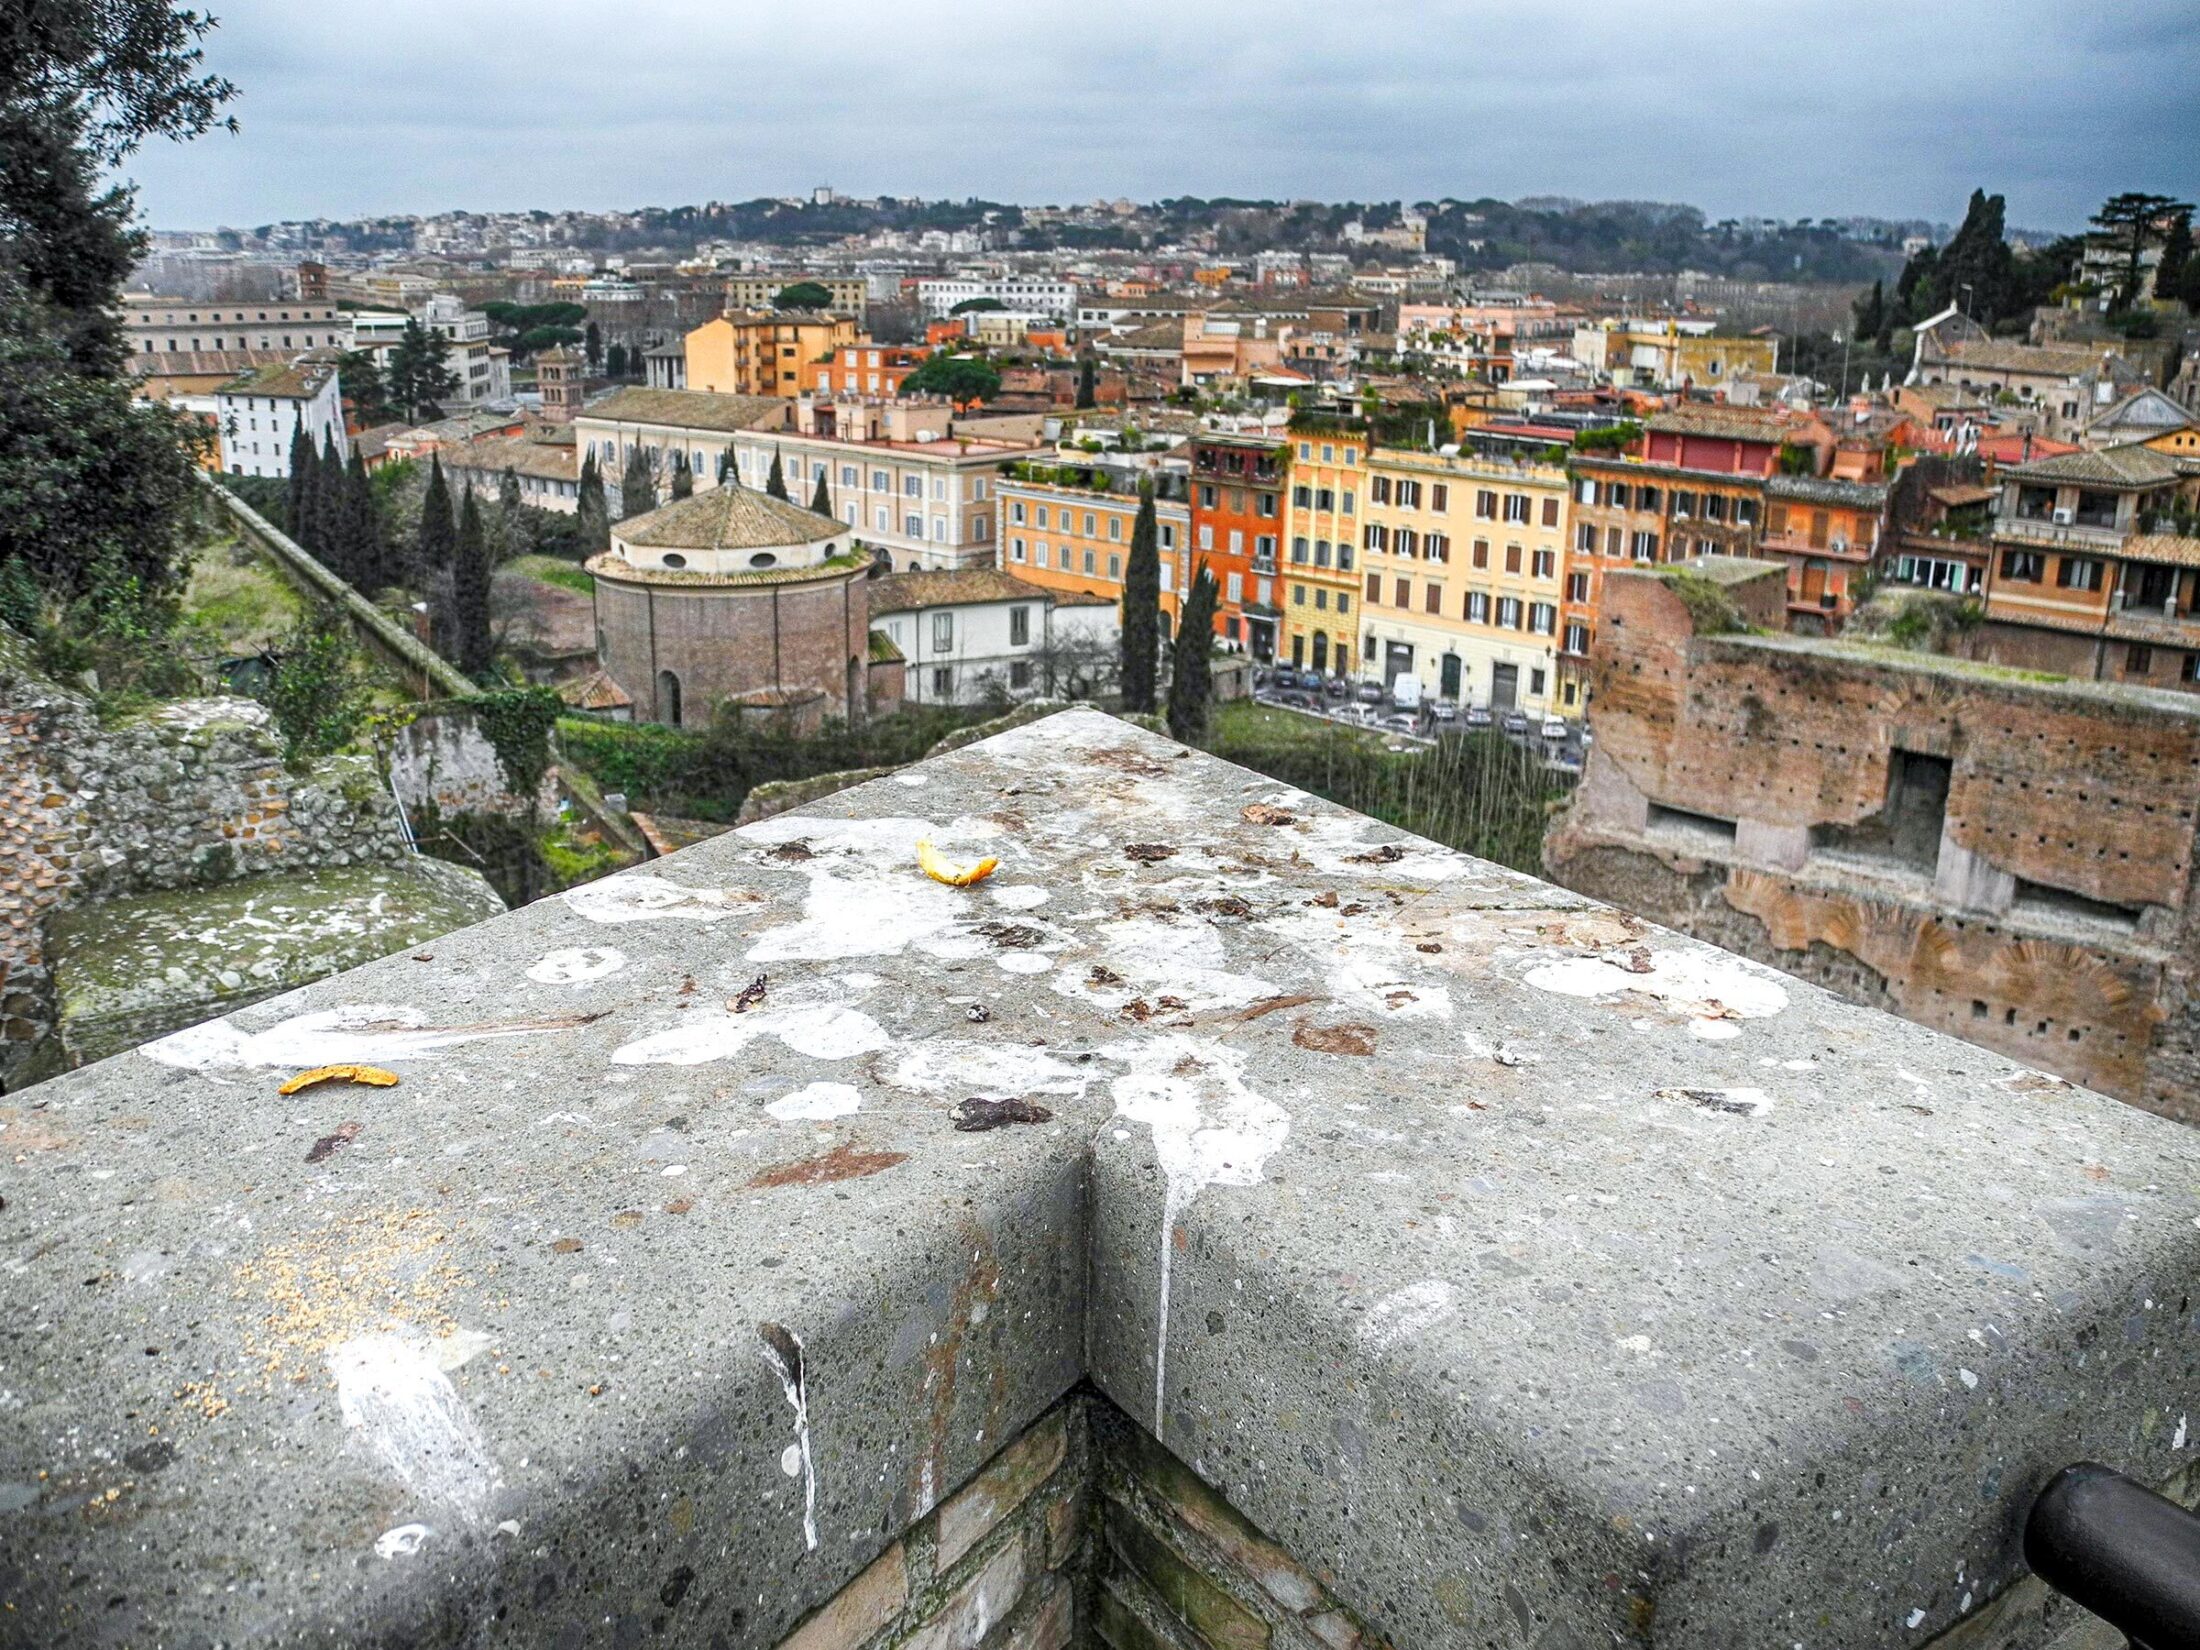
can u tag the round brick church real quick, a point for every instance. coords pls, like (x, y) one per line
(732, 595)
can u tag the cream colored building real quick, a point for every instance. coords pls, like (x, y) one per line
(1461, 562)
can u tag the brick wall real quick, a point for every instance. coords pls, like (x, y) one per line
(1794, 755)
(1084, 1532)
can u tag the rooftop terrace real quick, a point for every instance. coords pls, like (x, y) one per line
(1534, 1275)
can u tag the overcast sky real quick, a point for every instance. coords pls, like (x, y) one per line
(1785, 107)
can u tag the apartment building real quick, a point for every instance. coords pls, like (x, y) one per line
(763, 351)
(2088, 577)
(1322, 535)
(259, 412)
(155, 325)
(1068, 528)
(1039, 294)
(915, 492)
(849, 293)
(484, 369)
(981, 633)
(1671, 355)
(862, 368)
(1461, 561)
(1237, 490)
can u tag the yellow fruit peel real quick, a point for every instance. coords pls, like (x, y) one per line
(371, 1076)
(939, 870)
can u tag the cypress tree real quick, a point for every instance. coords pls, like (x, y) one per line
(637, 487)
(1088, 378)
(301, 478)
(324, 509)
(470, 592)
(508, 492)
(1141, 630)
(821, 501)
(683, 479)
(362, 530)
(438, 540)
(591, 512)
(1189, 684)
(776, 482)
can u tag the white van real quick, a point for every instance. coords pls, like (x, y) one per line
(1405, 693)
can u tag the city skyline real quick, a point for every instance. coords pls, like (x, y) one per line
(341, 119)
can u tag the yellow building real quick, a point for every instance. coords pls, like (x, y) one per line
(762, 351)
(1321, 624)
(1460, 566)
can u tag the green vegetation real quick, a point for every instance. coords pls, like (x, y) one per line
(1611, 438)
(419, 378)
(962, 379)
(1140, 632)
(1478, 793)
(317, 693)
(550, 570)
(977, 306)
(803, 295)
(708, 775)
(1709, 606)
(237, 603)
(1191, 685)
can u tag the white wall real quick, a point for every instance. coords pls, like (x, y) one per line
(256, 429)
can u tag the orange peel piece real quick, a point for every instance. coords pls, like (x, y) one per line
(939, 870)
(371, 1076)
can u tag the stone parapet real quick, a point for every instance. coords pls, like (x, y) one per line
(1518, 1272)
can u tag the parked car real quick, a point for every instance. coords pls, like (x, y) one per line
(1444, 711)
(1337, 688)
(1370, 693)
(1477, 718)
(1554, 728)
(1399, 722)
(1283, 676)
(1405, 693)
(1516, 723)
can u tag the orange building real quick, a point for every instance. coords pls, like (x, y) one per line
(762, 351)
(1237, 523)
(1068, 528)
(862, 368)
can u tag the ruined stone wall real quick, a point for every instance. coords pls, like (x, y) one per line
(443, 760)
(1084, 1531)
(1746, 790)
(191, 794)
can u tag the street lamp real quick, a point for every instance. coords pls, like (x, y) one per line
(1842, 339)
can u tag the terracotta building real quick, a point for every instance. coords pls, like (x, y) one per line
(1067, 528)
(762, 352)
(731, 597)
(1237, 523)
(1992, 853)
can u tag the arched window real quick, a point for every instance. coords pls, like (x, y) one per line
(668, 698)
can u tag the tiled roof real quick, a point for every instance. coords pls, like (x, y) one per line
(2004, 355)
(2111, 467)
(594, 692)
(1859, 495)
(298, 380)
(1161, 335)
(726, 518)
(691, 410)
(1722, 424)
(911, 592)
(2171, 549)
(204, 363)
(522, 455)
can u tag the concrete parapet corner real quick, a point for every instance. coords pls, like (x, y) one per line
(1512, 1271)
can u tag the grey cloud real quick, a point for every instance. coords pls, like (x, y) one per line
(1777, 106)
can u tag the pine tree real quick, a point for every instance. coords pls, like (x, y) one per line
(438, 540)
(683, 479)
(776, 482)
(301, 477)
(1141, 631)
(590, 511)
(1189, 683)
(470, 593)
(420, 375)
(821, 501)
(637, 487)
(362, 530)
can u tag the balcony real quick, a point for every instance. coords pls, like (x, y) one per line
(741, 1226)
(2047, 533)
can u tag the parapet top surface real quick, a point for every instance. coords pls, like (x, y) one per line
(1661, 1226)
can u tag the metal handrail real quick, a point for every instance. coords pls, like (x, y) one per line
(2111, 1545)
